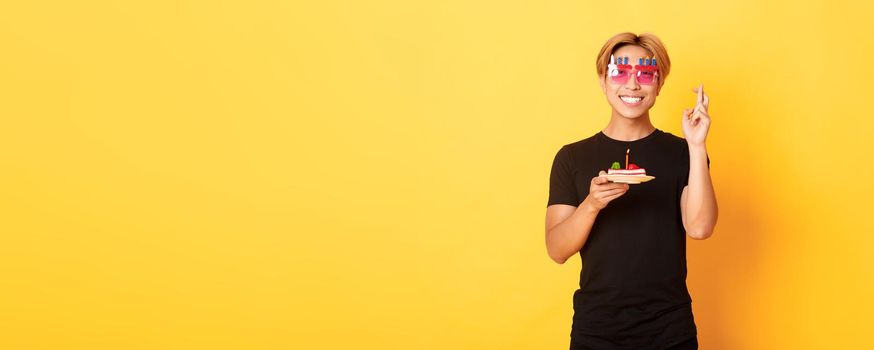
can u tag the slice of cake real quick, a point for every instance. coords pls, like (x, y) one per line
(632, 174)
(632, 170)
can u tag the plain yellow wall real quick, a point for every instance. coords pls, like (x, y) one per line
(374, 174)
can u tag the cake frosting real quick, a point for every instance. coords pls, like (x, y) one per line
(632, 170)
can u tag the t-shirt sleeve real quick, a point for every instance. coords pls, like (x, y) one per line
(687, 165)
(561, 181)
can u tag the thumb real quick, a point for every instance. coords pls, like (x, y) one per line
(600, 180)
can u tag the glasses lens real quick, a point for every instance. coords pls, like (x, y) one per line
(645, 78)
(619, 76)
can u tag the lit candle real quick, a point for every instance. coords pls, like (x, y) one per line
(626, 157)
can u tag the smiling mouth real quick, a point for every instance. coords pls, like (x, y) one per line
(631, 99)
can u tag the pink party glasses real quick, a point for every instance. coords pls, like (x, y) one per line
(619, 71)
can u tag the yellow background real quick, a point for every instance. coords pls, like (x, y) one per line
(374, 174)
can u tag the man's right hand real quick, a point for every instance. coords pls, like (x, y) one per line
(602, 191)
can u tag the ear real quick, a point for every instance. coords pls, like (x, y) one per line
(601, 81)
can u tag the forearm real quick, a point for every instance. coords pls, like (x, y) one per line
(701, 208)
(568, 237)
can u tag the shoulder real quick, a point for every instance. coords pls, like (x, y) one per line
(575, 153)
(673, 140)
(581, 146)
(674, 143)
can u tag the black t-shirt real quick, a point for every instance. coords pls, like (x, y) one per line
(633, 281)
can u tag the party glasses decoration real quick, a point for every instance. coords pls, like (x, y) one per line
(620, 71)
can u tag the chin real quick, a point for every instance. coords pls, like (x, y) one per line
(628, 113)
(631, 112)
(631, 115)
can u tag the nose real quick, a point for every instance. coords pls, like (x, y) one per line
(632, 81)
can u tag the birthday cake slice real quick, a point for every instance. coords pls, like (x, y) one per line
(632, 174)
(631, 170)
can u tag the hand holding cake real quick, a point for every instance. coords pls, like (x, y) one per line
(602, 191)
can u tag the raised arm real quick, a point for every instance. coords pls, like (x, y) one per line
(698, 200)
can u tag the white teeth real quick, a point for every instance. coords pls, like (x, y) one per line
(631, 99)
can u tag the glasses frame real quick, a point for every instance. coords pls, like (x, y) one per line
(614, 76)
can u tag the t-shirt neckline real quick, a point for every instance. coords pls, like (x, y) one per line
(646, 138)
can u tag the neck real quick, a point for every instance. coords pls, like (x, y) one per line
(628, 129)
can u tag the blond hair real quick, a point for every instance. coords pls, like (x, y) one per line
(648, 42)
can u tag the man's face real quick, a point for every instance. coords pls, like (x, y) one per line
(628, 93)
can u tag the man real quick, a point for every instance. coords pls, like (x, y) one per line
(631, 236)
